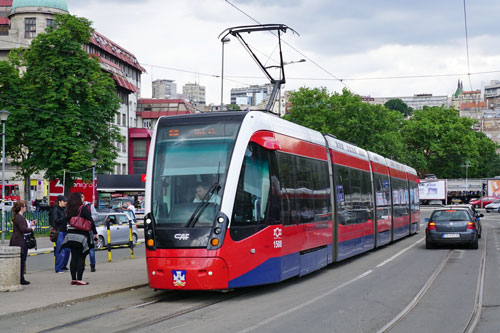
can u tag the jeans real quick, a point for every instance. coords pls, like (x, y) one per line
(92, 257)
(62, 255)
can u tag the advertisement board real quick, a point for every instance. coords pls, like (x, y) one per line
(494, 188)
(433, 190)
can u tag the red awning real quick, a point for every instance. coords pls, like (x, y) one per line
(123, 82)
(4, 21)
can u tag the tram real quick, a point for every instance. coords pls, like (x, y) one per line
(237, 199)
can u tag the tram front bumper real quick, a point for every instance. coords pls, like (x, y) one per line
(187, 273)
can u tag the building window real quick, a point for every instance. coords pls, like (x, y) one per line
(118, 119)
(124, 169)
(30, 27)
(139, 167)
(146, 123)
(140, 147)
(49, 23)
(124, 120)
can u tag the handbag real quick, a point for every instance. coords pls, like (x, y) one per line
(30, 240)
(53, 235)
(79, 222)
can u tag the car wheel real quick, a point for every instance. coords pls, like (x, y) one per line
(428, 244)
(474, 245)
(134, 239)
(100, 242)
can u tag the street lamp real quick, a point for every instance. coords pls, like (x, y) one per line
(284, 64)
(93, 161)
(224, 41)
(4, 114)
(466, 165)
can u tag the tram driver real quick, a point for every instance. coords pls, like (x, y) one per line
(202, 190)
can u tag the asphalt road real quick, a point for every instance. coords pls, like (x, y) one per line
(363, 294)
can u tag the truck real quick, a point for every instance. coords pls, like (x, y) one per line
(432, 190)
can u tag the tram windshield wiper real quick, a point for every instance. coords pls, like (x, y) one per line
(202, 205)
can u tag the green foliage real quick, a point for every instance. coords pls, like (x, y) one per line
(233, 107)
(434, 140)
(346, 116)
(397, 104)
(65, 105)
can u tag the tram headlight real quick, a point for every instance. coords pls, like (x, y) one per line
(220, 219)
(217, 230)
(148, 221)
(214, 242)
(150, 233)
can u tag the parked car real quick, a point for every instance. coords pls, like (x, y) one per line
(430, 176)
(494, 206)
(481, 202)
(7, 205)
(451, 226)
(119, 229)
(474, 214)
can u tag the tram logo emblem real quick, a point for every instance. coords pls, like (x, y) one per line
(179, 277)
(277, 233)
(181, 236)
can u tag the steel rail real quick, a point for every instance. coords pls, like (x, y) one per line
(417, 298)
(478, 304)
(478, 298)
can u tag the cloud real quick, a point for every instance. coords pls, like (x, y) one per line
(356, 39)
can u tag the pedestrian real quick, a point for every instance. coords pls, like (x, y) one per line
(58, 219)
(20, 226)
(78, 241)
(93, 212)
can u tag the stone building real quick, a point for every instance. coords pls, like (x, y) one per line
(23, 20)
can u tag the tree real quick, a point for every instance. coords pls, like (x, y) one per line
(397, 104)
(233, 107)
(65, 111)
(443, 143)
(346, 116)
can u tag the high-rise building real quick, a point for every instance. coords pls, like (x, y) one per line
(194, 93)
(252, 95)
(164, 89)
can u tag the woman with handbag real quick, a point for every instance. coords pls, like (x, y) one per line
(78, 238)
(21, 228)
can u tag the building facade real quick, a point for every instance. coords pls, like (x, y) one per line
(194, 93)
(164, 89)
(22, 20)
(250, 96)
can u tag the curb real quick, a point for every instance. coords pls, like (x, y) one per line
(73, 301)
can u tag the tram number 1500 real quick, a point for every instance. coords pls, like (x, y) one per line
(278, 244)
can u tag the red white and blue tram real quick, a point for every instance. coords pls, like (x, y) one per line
(238, 199)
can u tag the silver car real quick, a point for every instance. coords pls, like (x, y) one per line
(493, 207)
(118, 227)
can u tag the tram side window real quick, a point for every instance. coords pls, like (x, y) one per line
(252, 196)
(343, 194)
(303, 190)
(285, 168)
(321, 191)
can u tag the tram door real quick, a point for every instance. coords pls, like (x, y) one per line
(255, 224)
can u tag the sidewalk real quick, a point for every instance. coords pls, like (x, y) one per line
(48, 289)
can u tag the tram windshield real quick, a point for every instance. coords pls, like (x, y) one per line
(190, 168)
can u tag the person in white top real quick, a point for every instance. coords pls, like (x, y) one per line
(129, 206)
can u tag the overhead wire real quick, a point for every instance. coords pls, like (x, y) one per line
(293, 48)
(467, 44)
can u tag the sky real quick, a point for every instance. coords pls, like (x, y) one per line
(384, 48)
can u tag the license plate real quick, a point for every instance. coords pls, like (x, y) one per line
(451, 235)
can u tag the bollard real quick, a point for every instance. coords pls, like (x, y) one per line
(109, 240)
(130, 239)
(10, 268)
